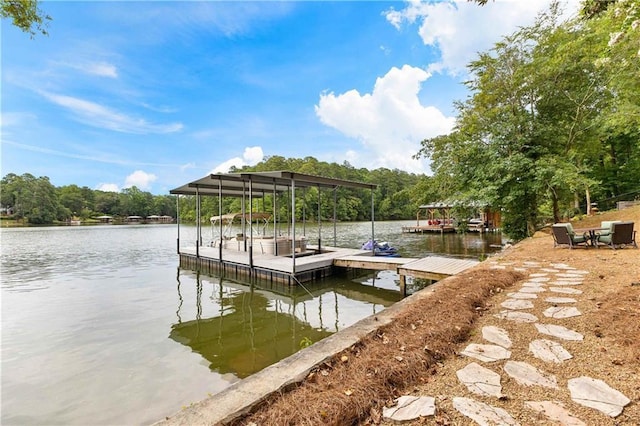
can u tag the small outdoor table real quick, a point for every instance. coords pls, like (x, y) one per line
(593, 234)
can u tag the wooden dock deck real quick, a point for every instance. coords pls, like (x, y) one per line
(436, 267)
(239, 264)
(315, 266)
(430, 267)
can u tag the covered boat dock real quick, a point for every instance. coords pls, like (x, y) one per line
(286, 257)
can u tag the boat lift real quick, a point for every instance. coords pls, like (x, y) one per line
(259, 224)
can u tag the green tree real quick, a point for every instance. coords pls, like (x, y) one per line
(26, 15)
(135, 202)
(72, 197)
(106, 202)
(31, 198)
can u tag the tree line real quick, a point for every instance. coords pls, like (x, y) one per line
(37, 201)
(398, 195)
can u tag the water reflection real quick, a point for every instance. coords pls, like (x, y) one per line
(251, 327)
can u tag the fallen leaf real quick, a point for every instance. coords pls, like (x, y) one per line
(348, 392)
(344, 358)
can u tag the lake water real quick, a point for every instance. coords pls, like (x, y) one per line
(100, 326)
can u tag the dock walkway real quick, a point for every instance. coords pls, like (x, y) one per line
(314, 266)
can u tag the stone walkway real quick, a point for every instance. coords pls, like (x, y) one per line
(555, 290)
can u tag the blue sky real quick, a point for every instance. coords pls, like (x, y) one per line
(155, 94)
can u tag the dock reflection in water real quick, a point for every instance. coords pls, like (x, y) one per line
(248, 328)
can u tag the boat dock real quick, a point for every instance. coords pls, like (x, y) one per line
(421, 229)
(285, 256)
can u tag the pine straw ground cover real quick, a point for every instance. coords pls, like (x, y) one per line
(357, 383)
(417, 353)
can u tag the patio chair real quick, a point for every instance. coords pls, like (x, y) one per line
(606, 226)
(622, 235)
(563, 234)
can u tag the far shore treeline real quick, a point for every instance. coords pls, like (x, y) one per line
(550, 128)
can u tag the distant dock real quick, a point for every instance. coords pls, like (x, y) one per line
(421, 229)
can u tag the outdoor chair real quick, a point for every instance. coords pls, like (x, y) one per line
(563, 234)
(622, 235)
(606, 226)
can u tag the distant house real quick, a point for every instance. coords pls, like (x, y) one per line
(133, 219)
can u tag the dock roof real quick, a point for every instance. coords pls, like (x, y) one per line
(237, 184)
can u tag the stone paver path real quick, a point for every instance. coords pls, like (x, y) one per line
(556, 412)
(553, 284)
(481, 413)
(480, 380)
(410, 408)
(597, 394)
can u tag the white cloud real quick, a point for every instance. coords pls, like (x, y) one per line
(139, 179)
(252, 155)
(101, 69)
(94, 114)
(108, 187)
(460, 29)
(390, 122)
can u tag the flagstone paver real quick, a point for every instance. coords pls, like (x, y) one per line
(566, 283)
(565, 290)
(532, 290)
(410, 407)
(517, 316)
(519, 295)
(486, 353)
(481, 413)
(526, 374)
(516, 304)
(561, 312)
(532, 284)
(558, 331)
(548, 350)
(560, 300)
(496, 335)
(573, 274)
(540, 279)
(480, 380)
(556, 412)
(595, 393)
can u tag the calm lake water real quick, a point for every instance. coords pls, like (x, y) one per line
(100, 326)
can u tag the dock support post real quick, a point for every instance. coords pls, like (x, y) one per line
(197, 223)
(178, 221)
(220, 215)
(293, 225)
(403, 285)
(373, 233)
(319, 222)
